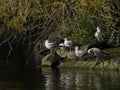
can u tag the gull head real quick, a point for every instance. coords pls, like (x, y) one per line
(90, 51)
(46, 41)
(98, 29)
(76, 48)
(65, 38)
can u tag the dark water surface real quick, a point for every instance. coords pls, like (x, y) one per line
(59, 79)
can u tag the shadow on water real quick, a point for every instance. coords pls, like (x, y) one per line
(22, 80)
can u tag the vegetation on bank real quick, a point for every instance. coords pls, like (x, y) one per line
(26, 23)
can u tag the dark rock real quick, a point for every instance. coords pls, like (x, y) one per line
(44, 52)
(100, 45)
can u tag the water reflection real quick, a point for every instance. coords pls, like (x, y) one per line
(53, 79)
(74, 79)
(59, 79)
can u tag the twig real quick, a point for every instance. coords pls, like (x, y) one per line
(5, 41)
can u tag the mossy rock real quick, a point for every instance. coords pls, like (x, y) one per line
(52, 59)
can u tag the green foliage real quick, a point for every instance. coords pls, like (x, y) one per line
(82, 27)
(114, 39)
(80, 36)
(27, 22)
(92, 13)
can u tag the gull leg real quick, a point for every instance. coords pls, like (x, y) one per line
(51, 51)
(97, 62)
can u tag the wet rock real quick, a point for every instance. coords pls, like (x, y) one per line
(71, 56)
(52, 59)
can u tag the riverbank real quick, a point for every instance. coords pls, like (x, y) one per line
(112, 62)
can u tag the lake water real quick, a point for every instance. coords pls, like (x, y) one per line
(59, 79)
